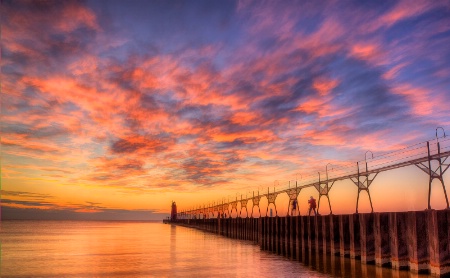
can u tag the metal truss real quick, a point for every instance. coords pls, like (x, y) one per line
(435, 172)
(255, 201)
(363, 182)
(271, 197)
(243, 205)
(434, 163)
(324, 187)
(293, 195)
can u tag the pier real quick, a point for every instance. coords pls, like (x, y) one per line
(417, 241)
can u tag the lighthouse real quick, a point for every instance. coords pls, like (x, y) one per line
(173, 213)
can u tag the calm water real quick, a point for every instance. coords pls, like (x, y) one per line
(133, 249)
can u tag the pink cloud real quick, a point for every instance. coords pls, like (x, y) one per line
(405, 9)
(324, 86)
(365, 51)
(118, 141)
(421, 100)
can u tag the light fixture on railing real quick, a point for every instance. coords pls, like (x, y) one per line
(326, 170)
(437, 138)
(365, 155)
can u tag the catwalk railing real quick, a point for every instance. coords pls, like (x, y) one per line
(430, 156)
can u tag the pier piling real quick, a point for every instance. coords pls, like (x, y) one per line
(417, 241)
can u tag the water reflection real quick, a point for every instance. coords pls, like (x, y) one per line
(173, 246)
(133, 249)
(139, 249)
(345, 267)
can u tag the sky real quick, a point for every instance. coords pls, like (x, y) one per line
(112, 110)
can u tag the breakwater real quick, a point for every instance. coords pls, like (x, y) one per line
(418, 241)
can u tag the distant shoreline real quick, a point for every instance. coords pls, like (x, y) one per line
(80, 220)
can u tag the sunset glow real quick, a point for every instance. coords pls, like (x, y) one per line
(111, 110)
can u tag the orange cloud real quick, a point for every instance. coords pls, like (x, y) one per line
(324, 87)
(244, 117)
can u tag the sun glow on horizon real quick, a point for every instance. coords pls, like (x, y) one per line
(112, 109)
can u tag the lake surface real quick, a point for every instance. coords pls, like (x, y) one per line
(151, 249)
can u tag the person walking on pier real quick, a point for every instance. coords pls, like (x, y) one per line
(294, 207)
(312, 205)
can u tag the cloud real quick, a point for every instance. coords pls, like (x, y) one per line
(209, 101)
(34, 213)
(33, 195)
(115, 169)
(23, 23)
(142, 144)
(21, 205)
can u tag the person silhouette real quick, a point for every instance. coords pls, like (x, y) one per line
(312, 205)
(294, 207)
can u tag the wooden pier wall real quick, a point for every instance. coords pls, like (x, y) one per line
(418, 241)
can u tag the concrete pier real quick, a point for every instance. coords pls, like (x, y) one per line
(367, 238)
(382, 239)
(417, 241)
(344, 235)
(438, 241)
(334, 234)
(417, 237)
(397, 235)
(355, 241)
